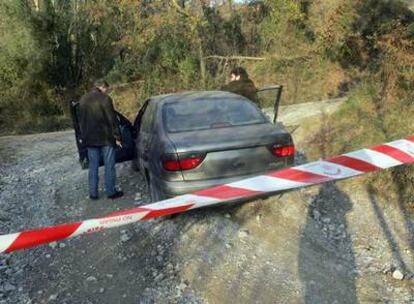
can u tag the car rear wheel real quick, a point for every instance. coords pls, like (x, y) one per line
(154, 193)
(156, 196)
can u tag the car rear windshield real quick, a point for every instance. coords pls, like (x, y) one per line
(193, 115)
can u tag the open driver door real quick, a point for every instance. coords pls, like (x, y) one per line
(270, 96)
(124, 153)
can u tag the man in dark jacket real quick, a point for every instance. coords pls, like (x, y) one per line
(241, 84)
(100, 133)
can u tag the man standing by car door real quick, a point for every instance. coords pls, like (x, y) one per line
(241, 84)
(100, 134)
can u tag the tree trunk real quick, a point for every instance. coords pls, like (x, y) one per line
(202, 64)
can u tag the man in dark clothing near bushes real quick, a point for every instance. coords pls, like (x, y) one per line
(241, 84)
(100, 133)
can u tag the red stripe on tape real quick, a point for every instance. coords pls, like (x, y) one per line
(394, 153)
(353, 163)
(411, 139)
(166, 211)
(300, 176)
(35, 237)
(226, 192)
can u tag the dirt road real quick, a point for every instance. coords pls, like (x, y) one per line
(335, 243)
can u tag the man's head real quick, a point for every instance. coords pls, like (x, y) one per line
(101, 85)
(238, 73)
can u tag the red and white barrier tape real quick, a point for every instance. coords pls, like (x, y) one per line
(339, 167)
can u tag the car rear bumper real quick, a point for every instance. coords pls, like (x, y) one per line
(170, 189)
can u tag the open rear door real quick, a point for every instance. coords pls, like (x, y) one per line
(125, 153)
(269, 97)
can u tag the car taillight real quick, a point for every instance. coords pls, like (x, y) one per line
(171, 165)
(184, 162)
(283, 151)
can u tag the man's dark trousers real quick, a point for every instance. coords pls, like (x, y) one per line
(108, 155)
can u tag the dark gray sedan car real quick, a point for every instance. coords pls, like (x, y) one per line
(196, 140)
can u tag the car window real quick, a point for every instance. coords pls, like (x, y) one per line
(202, 114)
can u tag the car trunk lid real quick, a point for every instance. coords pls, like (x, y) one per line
(231, 151)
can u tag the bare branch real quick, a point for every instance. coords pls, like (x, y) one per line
(127, 84)
(235, 57)
(276, 57)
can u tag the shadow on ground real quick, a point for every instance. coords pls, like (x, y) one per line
(326, 244)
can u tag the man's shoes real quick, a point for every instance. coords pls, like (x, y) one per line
(93, 197)
(117, 194)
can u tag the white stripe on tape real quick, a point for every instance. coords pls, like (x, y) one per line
(329, 169)
(202, 200)
(87, 226)
(7, 240)
(267, 184)
(403, 145)
(179, 201)
(375, 158)
(170, 203)
(95, 225)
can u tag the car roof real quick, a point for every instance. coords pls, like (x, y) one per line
(195, 95)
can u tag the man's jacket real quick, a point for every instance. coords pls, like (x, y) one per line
(97, 119)
(244, 87)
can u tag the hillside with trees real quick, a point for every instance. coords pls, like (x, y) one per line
(52, 51)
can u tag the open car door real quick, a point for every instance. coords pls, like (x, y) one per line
(127, 152)
(270, 97)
